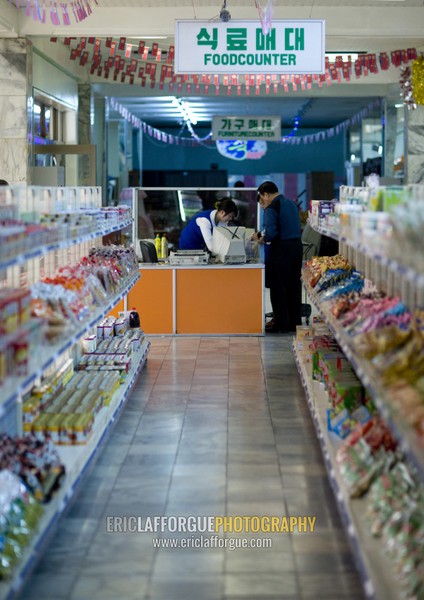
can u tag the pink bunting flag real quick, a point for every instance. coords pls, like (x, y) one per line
(265, 15)
(65, 14)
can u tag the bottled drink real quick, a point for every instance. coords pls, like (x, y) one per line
(164, 247)
(158, 245)
(134, 319)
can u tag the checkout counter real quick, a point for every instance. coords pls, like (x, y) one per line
(178, 298)
(200, 299)
(222, 298)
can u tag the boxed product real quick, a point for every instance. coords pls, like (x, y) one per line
(303, 336)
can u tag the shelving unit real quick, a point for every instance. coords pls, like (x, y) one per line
(39, 364)
(377, 572)
(366, 260)
(76, 458)
(375, 569)
(38, 251)
(404, 434)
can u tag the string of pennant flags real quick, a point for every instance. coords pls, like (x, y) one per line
(152, 66)
(60, 13)
(194, 140)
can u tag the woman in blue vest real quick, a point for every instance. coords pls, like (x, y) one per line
(197, 234)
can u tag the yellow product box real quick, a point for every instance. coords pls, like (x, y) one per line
(74, 401)
(77, 379)
(53, 425)
(30, 409)
(27, 427)
(90, 400)
(60, 401)
(67, 434)
(109, 385)
(83, 427)
(114, 388)
(39, 427)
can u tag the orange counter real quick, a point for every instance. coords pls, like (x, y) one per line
(209, 299)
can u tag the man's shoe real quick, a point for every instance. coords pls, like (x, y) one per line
(270, 325)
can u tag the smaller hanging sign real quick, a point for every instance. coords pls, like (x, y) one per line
(246, 128)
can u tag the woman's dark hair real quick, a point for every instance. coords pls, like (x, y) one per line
(267, 187)
(227, 205)
(3, 182)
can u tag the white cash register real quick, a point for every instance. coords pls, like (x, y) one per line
(229, 244)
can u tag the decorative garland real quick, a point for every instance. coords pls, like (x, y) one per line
(168, 138)
(417, 77)
(81, 9)
(153, 67)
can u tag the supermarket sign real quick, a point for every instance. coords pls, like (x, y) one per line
(246, 128)
(236, 47)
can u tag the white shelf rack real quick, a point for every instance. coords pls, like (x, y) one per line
(77, 460)
(38, 251)
(404, 434)
(407, 272)
(15, 387)
(375, 568)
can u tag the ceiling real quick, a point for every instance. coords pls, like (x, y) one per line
(370, 26)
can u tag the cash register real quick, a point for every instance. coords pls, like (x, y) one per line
(229, 244)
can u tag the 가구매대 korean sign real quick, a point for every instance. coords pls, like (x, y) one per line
(246, 128)
(296, 47)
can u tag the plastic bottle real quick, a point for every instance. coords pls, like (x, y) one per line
(134, 319)
(158, 245)
(164, 247)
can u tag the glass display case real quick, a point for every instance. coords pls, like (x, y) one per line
(167, 210)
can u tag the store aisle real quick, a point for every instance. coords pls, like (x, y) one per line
(215, 426)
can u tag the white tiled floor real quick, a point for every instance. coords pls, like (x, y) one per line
(214, 426)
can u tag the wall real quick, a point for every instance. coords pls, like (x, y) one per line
(54, 82)
(325, 155)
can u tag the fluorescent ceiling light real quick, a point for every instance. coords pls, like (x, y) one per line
(185, 110)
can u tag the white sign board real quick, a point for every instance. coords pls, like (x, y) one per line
(295, 47)
(246, 128)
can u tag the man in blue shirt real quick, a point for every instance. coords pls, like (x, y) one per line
(284, 261)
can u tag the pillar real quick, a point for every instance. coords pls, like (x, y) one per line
(84, 131)
(415, 145)
(390, 137)
(15, 110)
